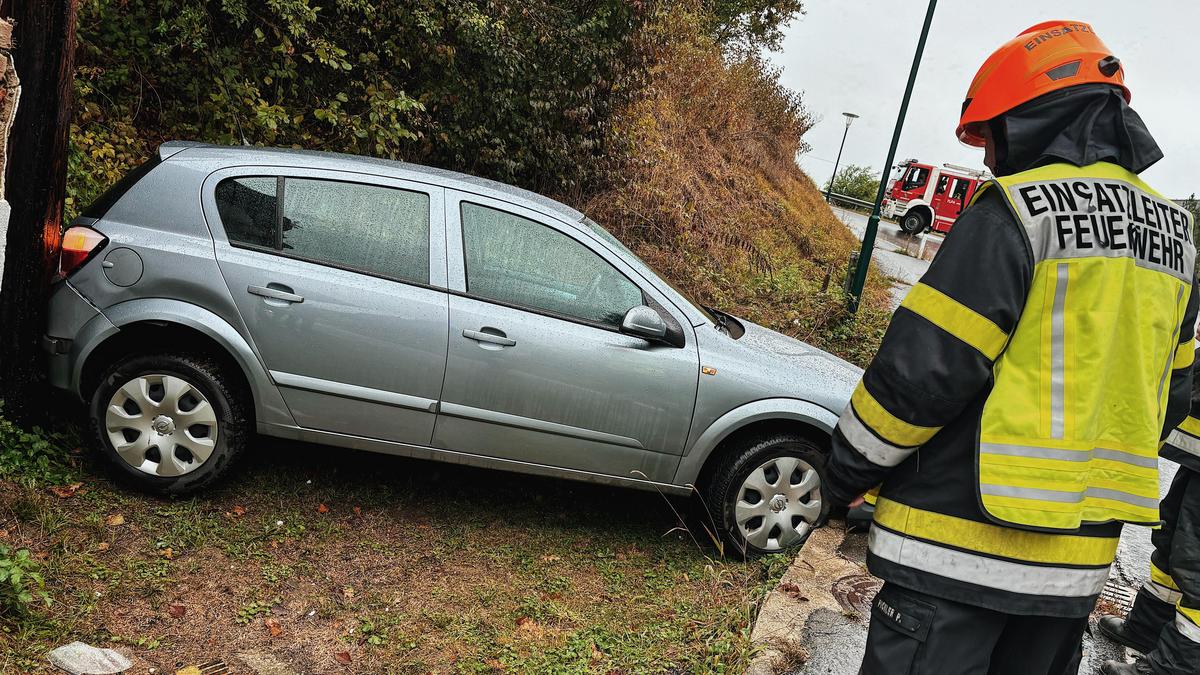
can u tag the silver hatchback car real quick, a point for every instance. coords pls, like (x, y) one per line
(216, 292)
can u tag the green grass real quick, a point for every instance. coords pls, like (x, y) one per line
(414, 567)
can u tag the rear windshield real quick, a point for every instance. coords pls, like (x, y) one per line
(104, 202)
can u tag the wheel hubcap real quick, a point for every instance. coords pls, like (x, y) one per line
(778, 503)
(161, 425)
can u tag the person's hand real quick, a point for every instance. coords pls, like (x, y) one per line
(858, 501)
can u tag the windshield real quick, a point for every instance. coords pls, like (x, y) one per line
(616, 243)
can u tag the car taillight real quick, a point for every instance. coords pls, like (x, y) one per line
(79, 244)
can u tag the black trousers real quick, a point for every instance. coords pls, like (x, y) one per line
(916, 634)
(1155, 620)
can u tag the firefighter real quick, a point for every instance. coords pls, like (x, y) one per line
(1165, 621)
(1013, 414)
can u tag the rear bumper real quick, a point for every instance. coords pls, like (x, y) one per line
(58, 361)
(67, 314)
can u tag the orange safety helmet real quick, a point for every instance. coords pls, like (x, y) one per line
(1047, 57)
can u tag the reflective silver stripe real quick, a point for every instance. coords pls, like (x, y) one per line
(1066, 497)
(1167, 595)
(1185, 442)
(1002, 575)
(1171, 355)
(1031, 493)
(1067, 455)
(1119, 496)
(1057, 351)
(868, 444)
(1033, 451)
(1127, 457)
(1189, 630)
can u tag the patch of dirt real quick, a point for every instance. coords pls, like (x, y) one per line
(408, 567)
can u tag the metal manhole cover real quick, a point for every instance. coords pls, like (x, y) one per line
(855, 592)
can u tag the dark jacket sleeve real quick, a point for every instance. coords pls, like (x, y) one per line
(937, 354)
(1182, 398)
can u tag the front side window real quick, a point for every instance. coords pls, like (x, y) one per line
(915, 178)
(517, 261)
(367, 228)
(377, 230)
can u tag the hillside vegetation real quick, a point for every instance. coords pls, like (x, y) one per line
(658, 120)
(711, 196)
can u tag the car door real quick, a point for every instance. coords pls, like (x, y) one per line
(339, 278)
(537, 370)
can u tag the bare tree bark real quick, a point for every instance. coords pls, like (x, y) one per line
(35, 186)
(10, 94)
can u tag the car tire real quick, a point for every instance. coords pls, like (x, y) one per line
(914, 222)
(144, 403)
(746, 465)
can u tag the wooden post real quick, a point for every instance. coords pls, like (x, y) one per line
(35, 174)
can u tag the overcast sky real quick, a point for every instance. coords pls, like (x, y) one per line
(855, 55)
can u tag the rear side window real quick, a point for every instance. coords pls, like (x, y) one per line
(247, 210)
(105, 201)
(373, 229)
(377, 230)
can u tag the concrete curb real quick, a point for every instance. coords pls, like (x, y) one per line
(805, 589)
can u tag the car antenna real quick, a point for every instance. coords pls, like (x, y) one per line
(238, 120)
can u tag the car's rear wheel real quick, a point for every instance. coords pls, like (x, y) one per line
(169, 423)
(765, 494)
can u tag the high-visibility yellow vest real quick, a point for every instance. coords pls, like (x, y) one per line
(1070, 432)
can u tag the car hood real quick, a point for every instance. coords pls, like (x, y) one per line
(798, 369)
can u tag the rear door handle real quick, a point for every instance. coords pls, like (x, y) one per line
(275, 292)
(490, 338)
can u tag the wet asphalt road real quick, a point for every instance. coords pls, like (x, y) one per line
(895, 252)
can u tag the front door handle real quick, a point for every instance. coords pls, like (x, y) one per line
(275, 292)
(489, 337)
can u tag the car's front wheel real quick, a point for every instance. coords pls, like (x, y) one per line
(169, 423)
(765, 494)
(914, 222)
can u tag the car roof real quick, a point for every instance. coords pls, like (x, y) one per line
(232, 155)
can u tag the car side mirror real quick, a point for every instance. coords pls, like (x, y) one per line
(644, 322)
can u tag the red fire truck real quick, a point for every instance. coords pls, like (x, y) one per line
(924, 196)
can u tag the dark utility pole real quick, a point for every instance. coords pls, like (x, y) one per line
(35, 186)
(868, 244)
(850, 117)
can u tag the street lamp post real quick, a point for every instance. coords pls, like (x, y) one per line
(859, 279)
(850, 117)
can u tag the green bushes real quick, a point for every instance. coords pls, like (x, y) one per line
(520, 92)
(34, 456)
(20, 581)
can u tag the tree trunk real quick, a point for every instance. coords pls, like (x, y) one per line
(35, 186)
